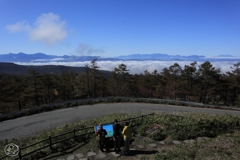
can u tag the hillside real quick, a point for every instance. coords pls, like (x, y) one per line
(14, 69)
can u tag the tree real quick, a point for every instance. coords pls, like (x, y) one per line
(35, 77)
(18, 88)
(6, 98)
(234, 83)
(134, 85)
(87, 70)
(188, 81)
(91, 82)
(67, 85)
(118, 81)
(102, 85)
(81, 86)
(208, 77)
(94, 75)
(50, 84)
(148, 83)
(223, 89)
(175, 72)
(164, 88)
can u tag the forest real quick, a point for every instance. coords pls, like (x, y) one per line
(194, 82)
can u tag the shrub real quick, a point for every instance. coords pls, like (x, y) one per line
(178, 152)
(143, 158)
(158, 136)
(141, 130)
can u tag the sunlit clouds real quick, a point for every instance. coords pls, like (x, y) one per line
(48, 29)
(137, 67)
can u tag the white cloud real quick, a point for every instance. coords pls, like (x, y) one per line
(137, 67)
(57, 59)
(86, 49)
(48, 29)
(18, 27)
(48, 60)
(224, 65)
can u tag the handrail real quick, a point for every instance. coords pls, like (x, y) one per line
(34, 144)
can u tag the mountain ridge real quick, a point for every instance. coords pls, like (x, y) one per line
(42, 57)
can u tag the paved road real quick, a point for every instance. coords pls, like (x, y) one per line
(26, 126)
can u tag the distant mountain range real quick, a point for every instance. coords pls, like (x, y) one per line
(41, 57)
(158, 56)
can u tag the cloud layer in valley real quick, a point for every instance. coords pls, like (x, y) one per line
(48, 29)
(137, 67)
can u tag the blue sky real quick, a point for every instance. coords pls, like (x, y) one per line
(110, 28)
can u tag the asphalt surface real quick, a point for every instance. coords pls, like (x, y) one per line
(30, 125)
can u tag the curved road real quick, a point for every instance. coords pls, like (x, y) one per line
(26, 126)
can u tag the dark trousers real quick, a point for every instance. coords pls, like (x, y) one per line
(127, 144)
(117, 142)
(103, 144)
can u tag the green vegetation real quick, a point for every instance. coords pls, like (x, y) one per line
(224, 130)
(190, 126)
(222, 147)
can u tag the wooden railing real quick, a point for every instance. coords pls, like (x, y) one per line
(49, 142)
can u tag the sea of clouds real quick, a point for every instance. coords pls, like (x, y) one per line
(137, 67)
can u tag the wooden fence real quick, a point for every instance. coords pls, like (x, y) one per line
(51, 141)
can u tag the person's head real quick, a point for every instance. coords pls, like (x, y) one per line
(100, 126)
(115, 121)
(126, 123)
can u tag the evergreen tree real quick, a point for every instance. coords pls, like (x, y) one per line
(163, 88)
(175, 71)
(95, 75)
(118, 81)
(189, 81)
(234, 83)
(208, 78)
(35, 81)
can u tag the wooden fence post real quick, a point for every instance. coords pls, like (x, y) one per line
(141, 120)
(74, 133)
(50, 142)
(19, 153)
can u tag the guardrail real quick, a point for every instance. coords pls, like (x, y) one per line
(49, 142)
(51, 106)
(22, 112)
